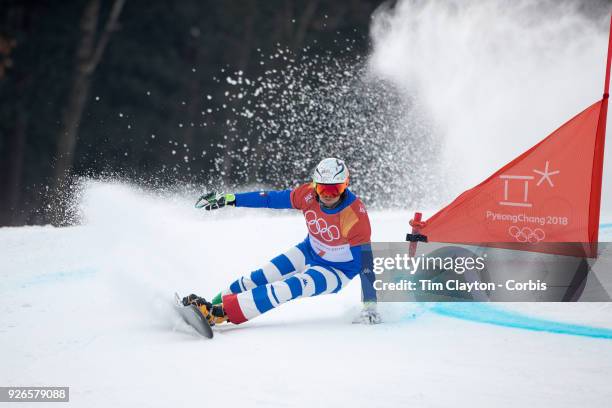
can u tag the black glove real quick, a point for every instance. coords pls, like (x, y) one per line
(212, 201)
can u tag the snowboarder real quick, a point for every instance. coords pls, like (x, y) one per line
(325, 262)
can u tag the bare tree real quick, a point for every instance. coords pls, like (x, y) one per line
(12, 160)
(308, 14)
(243, 58)
(89, 54)
(11, 165)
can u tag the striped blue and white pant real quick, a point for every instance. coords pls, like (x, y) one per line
(288, 276)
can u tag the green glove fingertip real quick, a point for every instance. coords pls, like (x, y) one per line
(230, 199)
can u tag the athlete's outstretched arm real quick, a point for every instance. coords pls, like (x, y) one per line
(264, 199)
(258, 199)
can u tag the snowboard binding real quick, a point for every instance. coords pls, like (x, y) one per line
(214, 314)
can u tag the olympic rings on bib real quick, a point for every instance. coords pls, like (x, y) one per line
(319, 226)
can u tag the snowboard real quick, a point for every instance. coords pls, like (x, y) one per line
(193, 317)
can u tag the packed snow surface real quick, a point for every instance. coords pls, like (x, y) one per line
(90, 307)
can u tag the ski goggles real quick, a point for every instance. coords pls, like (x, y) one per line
(330, 190)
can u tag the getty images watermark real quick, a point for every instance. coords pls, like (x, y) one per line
(458, 264)
(443, 272)
(34, 394)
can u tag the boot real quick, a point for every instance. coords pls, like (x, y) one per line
(214, 314)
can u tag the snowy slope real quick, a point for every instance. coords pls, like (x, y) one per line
(89, 307)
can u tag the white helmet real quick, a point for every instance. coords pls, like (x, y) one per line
(331, 171)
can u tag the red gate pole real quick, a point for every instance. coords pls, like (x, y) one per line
(415, 230)
(597, 172)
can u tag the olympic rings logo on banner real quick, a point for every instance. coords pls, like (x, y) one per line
(319, 226)
(526, 234)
